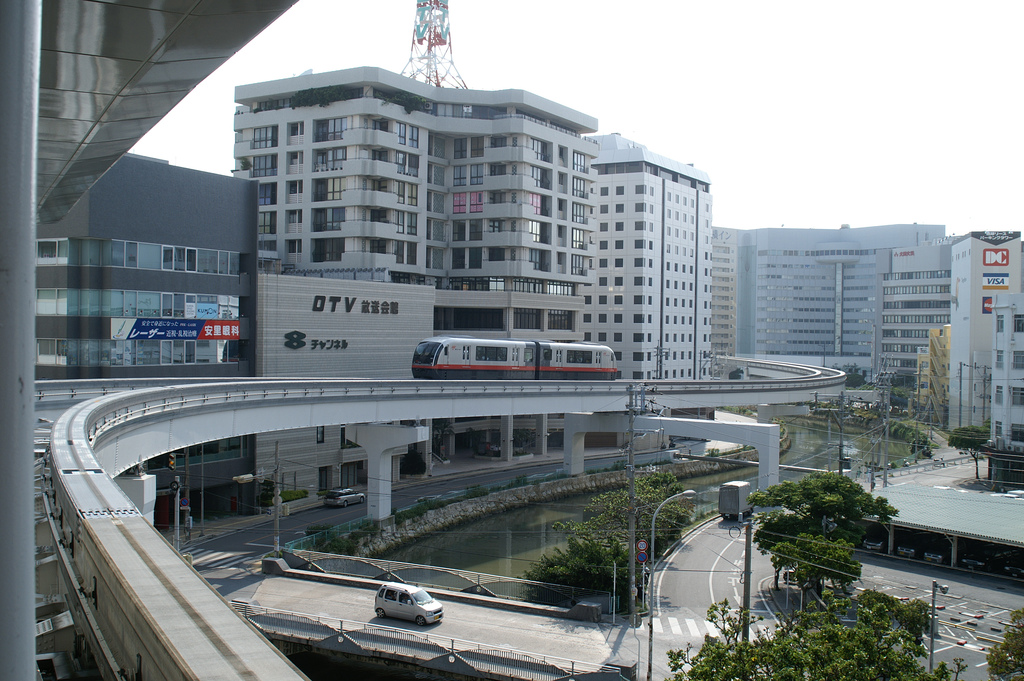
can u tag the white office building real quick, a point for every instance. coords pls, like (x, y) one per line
(652, 249)
(813, 293)
(485, 196)
(984, 265)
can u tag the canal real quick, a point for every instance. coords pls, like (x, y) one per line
(509, 543)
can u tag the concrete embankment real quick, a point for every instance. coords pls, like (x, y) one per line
(497, 502)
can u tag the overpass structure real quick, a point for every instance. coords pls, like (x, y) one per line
(146, 614)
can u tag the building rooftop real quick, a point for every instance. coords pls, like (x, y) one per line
(958, 512)
(617, 149)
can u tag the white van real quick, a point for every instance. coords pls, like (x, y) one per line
(407, 602)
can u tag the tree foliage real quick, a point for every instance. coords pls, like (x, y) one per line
(971, 439)
(816, 644)
(1006, 659)
(595, 545)
(816, 520)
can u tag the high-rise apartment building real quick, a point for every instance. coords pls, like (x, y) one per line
(723, 291)
(1006, 454)
(652, 249)
(484, 196)
(813, 292)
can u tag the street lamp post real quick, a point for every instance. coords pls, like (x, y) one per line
(931, 650)
(688, 494)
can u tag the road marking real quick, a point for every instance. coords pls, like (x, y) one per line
(658, 629)
(694, 631)
(673, 623)
(712, 629)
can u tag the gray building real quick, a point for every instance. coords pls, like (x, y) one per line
(148, 275)
(813, 293)
(652, 299)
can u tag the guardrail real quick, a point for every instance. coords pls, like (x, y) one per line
(428, 650)
(430, 576)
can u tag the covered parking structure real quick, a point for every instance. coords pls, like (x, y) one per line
(955, 528)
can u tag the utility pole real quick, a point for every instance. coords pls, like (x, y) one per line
(746, 581)
(177, 514)
(277, 500)
(631, 510)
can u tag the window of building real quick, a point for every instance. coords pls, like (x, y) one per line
(264, 166)
(459, 147)
(329, 129)
(477, 147)
(264, 138)
(476, 174)
(268, 194)
(459, 176)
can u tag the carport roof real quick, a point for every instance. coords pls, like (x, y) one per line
(956, 512)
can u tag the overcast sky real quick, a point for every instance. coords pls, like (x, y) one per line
(804, 114)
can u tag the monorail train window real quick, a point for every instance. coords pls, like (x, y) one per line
(546, 354)
(491, 354)
(579, 356)
(528, 355)
(425, 352)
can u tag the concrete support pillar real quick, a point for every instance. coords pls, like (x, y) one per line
(572, 443)
(382, 442)
(507, 446)
(19, 112)
(766, 440)
(541, 425)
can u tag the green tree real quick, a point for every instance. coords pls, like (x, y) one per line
(816, 516)
(596, 544)
(970, 439)
(1006, 659)
(812, 644)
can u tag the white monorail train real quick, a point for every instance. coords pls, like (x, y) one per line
(465, 357)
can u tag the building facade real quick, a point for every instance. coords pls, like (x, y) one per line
(148, 275)
(1006, 453)
(484, 196)
(723, 291)
(984, 265)
(915, 298)
(652, 298)
(813, 293)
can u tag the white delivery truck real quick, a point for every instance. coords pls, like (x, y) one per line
(732, 500)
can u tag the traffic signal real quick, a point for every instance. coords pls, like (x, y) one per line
(170, 461)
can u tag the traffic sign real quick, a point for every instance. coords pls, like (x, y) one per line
(641, 545)
(184, 502)
(641, 556)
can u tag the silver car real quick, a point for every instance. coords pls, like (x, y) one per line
(343, 497)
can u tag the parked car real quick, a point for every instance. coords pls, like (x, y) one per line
(343, 497)
(407, 602)
(873, 544)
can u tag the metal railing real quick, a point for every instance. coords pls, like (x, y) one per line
(430, 576)
(422, 647)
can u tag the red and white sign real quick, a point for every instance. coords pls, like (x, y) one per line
(986, 305)
(999, 257)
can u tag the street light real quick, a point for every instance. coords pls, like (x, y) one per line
(931, 651)
(688, 494)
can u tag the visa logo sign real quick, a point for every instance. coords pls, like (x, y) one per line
(998, 257)
(996, 280)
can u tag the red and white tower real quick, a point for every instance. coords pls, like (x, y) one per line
(431, 57)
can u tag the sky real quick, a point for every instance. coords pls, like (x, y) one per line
(804, 113)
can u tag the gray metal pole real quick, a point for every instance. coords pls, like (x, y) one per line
(931, 623)
(19, 112)
(277, 500)
(746, 583)
(177, 514)
(631, 511)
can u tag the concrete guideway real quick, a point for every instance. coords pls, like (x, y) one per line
(107, 435)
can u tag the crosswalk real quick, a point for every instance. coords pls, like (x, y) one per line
(694, 628)
(205, 559)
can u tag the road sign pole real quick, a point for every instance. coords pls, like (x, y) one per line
(177, 515)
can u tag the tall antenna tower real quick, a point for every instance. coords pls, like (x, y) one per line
(430, 59)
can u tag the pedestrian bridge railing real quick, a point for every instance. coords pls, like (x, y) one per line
(430, 651)
(451, 579)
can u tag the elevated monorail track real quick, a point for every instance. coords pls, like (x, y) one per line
(146, 613)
